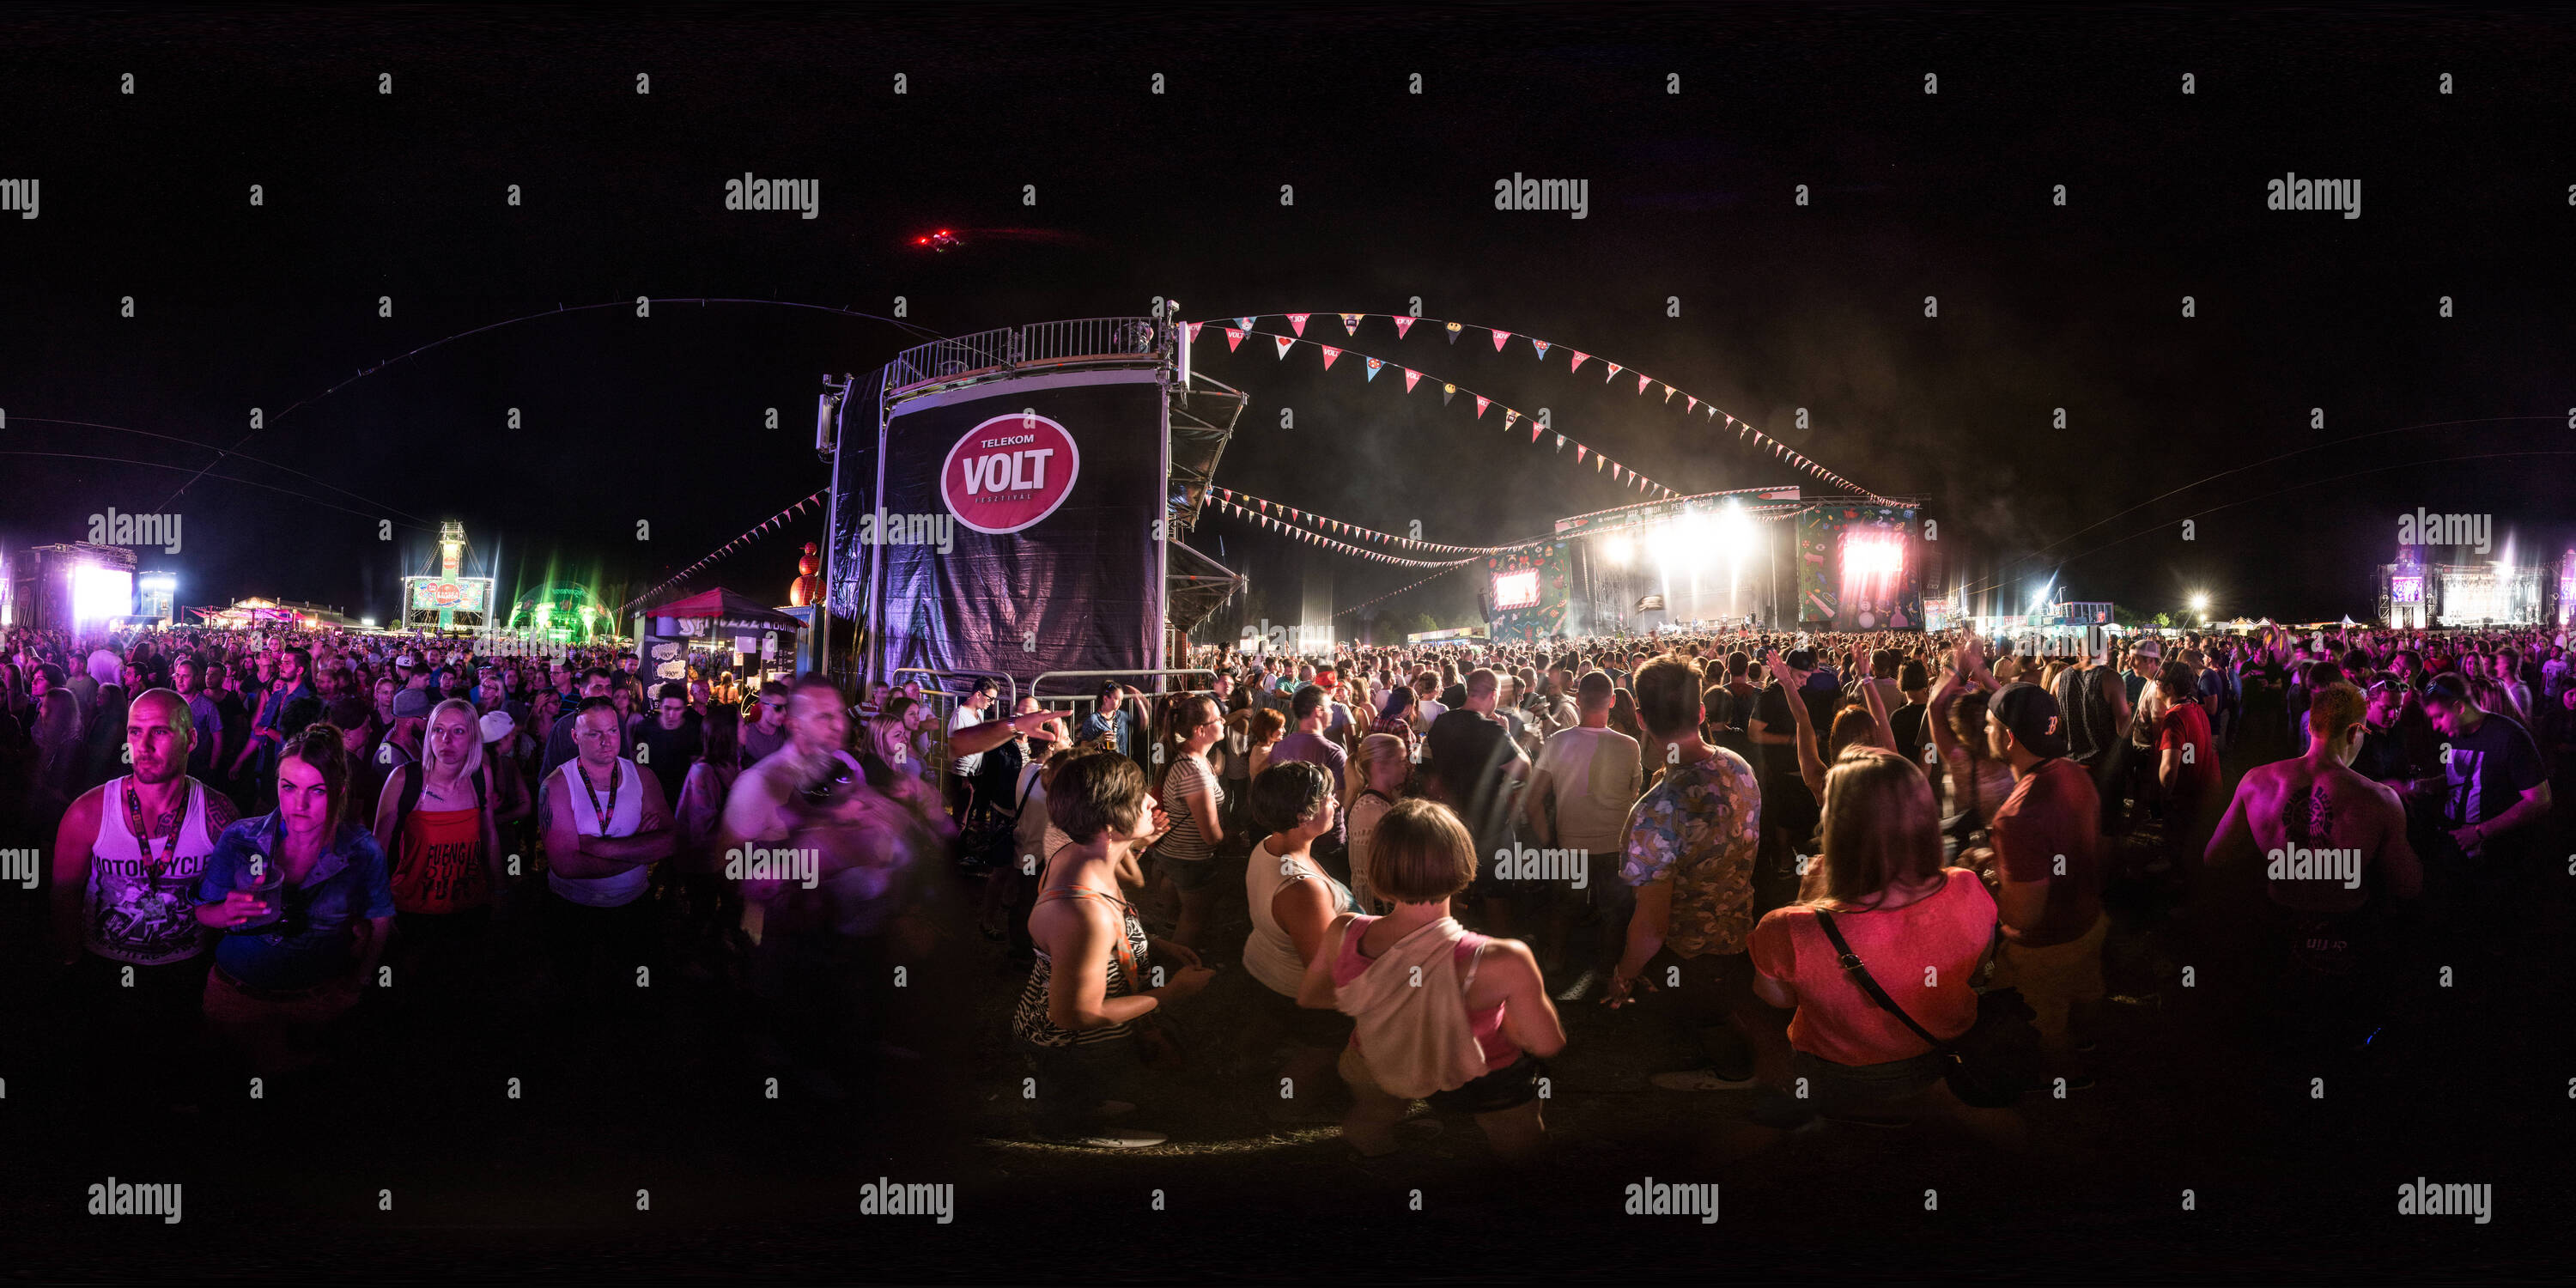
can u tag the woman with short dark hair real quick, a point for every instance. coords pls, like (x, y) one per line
(1292, 901)
(1077, 1018)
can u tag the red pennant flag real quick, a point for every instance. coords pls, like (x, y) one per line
(1535, 427)
(1580, 358)
(1499, 337)
(1481, 403)
(1284, 342)
(1330, 353)
(1691, 406)
(1579, 450)
(1194, 331)
(1402, 325)
(1642, 382)
(1298, 320)
(1233, 339)
(1410, 375)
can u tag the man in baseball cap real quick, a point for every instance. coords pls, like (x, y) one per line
(2030, 716)
(2047, 839)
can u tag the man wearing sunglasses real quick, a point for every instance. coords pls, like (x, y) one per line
(766, 731)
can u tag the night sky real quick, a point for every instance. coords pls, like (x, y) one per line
(2469, 195)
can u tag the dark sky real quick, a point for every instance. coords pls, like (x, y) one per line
(2469, 195)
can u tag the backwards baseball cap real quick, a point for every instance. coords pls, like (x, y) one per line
(2031, 716)
(2149, 648)
(498, 725)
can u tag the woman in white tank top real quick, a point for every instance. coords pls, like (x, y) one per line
(1293, 904)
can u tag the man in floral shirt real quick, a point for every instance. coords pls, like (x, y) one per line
(1692, 840)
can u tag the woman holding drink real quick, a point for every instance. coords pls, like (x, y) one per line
(306, 902)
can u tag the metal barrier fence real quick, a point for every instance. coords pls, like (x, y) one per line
(944, 702)
(1011, 348)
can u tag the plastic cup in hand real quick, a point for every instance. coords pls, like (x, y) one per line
(264, 878)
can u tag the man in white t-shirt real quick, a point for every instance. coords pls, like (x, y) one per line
(962, 768)
(1587, 780)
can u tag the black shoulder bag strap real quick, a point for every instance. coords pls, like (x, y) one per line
(1859, 973)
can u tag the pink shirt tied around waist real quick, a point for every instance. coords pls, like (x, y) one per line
(1486, 1024)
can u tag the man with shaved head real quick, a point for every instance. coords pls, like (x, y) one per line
(127, 860)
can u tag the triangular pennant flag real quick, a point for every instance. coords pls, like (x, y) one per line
(1535, 427)
(1614, 372)
(1233, 339)
(1454, 329)
(1482, 402)
(1284, 343)
(1509, 416)
(1410, 376)
(1643, 381)
(1330, 353)
(1668, 393)
(1298, 320)
(1691, 406)
(1499, 338)
(1614, 469)
(1194, 331)
(1245, 323)
(1598, 461)
(1580, 357)
(1560, 442)
(1373, 365)
(1447, 392)
(1402, 325)
(1351, 323)
(1579, 451)
(1541, 346)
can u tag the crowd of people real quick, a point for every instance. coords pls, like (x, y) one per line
(1817, 859)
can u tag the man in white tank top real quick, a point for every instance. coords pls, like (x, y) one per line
(606, 823)
(127, 860)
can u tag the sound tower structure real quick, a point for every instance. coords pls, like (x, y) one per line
(1014, 503)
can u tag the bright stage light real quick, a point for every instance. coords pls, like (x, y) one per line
(1618, 551)
(1734, 525)
(101, 593)
(2200, 603)
(1873, 557)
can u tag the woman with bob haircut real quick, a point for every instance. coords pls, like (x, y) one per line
(1441, 1013)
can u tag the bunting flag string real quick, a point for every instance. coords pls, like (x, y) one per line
(756, 531)
(1367, 603)
(1229, 496)
(1344, 547)
(1692, 404)
(1511, 415)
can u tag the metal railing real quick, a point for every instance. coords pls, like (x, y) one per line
(1011, 348)
(944, 702)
